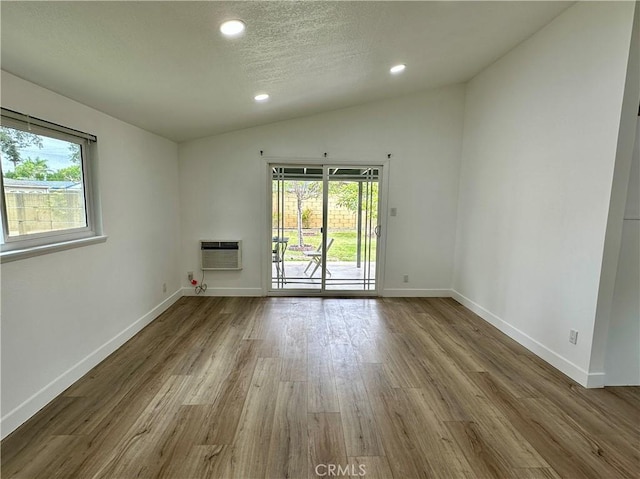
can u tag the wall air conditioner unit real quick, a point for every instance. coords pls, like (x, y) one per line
(221, 255)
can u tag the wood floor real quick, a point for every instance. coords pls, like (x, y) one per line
(307, 388)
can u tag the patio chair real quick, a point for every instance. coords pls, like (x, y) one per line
(315, 258)
(277, 257)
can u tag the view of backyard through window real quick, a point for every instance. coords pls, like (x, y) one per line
(43, 184)
(343, 249)
(298, 203)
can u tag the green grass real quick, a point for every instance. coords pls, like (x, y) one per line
(343, 247)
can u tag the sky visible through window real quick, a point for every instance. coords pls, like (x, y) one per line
(55, 152)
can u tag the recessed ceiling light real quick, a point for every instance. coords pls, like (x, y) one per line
(261, 97)
(398, 68)
(232, 28)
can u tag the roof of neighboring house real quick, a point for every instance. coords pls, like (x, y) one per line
(50, 185)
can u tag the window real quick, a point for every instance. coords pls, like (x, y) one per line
(47, 196)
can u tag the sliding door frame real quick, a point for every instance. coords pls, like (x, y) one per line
(269, 163)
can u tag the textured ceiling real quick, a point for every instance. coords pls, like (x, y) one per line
(164, 66)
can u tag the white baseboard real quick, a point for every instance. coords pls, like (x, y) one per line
(593, 380)
(14, 418)
(224, 292)
(416, 293)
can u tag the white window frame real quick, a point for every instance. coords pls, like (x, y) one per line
(17, 247)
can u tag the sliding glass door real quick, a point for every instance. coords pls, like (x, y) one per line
(296, 219)
(324, 228)
(352, 228)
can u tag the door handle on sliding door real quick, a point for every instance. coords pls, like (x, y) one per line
(377, 230)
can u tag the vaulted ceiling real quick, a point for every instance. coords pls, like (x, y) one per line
(165, 67)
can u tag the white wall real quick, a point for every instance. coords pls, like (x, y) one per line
(622, 363)
(615, 220)
(541, 129)
(223, 191)
(64, 312)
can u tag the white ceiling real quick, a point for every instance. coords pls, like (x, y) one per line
(165, 67)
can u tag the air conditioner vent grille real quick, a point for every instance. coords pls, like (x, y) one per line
(221, 255)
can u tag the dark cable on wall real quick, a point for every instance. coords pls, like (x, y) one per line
(202, 287)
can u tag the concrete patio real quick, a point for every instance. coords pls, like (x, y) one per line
(344, 276)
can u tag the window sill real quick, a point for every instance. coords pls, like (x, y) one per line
(8, 256)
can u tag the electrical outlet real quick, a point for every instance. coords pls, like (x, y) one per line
(164, 287)
(573, 337)
(190, 276)
(405, 278)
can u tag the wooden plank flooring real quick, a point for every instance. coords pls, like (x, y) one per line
(309, 387)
